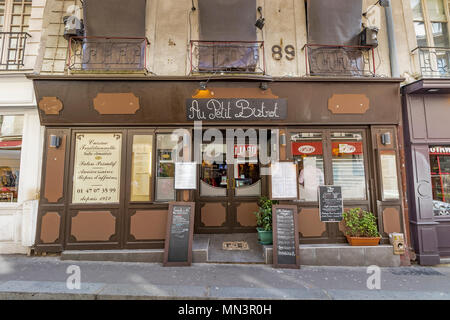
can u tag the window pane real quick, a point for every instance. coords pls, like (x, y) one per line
(436, 10)
(2, 14)
(417, 9)
(10, 150)
(141, 169)
(389, 177)
(348, 164)
(166, 157)
(307, 151)
(440, 34)
(421, 34)
(440, 179)
(96, 177)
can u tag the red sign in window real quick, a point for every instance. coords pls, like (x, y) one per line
(347, 147)
(444, 151)
(247, 150)
(10, 144)
(307, 148)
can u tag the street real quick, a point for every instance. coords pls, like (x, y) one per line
(24, 277)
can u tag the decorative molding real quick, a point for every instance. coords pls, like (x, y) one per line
(116, 103)
(51, 105)
(348, 104)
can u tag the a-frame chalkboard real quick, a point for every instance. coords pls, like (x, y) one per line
(286, 252)
(179, 234)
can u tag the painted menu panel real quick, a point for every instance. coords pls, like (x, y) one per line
(96, 177)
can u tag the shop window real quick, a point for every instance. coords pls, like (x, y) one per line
(141, 168)
(10, 149)
(166, 154)
(307, 150)
(348, 164)
(97, 166)
(440, 179)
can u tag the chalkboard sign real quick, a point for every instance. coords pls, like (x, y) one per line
(285, 237)
(331, 204)
(179, 234)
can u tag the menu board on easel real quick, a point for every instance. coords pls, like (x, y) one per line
(286, 253)
(179, 234)
(331, 203)
(283, 182)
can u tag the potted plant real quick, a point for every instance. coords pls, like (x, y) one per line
(264, 220)
(361, 228)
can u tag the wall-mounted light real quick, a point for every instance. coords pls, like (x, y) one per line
(260, 22)
(55, 141)
(386, 138)
(283, 140)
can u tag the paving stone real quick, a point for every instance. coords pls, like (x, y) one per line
(266, 293)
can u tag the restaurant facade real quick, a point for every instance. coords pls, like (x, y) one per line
(110, 154)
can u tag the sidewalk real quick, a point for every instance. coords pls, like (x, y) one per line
(45, 278)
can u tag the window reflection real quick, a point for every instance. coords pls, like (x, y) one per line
(307, 150)
(141, 170)
(166, 157)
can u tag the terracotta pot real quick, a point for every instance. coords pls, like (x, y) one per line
(363, 241)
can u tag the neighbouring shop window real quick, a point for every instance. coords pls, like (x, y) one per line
(348, 164)
(10, 150)
(166, 152)
(141, 168)
(97, 164)
(388, 160)
(307, 150)
(440, 179)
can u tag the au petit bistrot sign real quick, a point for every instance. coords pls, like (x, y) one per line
(236, 109)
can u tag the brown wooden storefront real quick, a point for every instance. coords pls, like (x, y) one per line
(352, 125)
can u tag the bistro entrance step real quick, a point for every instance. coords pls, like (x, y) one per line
(252, 253)
(199, 254)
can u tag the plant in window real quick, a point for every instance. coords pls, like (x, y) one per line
(361, 227)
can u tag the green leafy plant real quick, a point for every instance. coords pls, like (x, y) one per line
(264, 213)
(360, 223)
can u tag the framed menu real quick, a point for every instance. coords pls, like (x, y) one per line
(284, 181)
(331, 203)
(286, 252)
(185, 176)
(96, 176)
(179, 234)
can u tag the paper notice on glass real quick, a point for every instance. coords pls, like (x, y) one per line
(284, 180)
(389, 176)
(185, 176)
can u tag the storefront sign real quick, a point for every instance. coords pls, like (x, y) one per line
(235, 109)
(179, 234)
(347, 148)
(440, 150)
(307, 148)
(245, 151)
(285, 237)
(185, 176)
(96, 177)
(284, 177)
(331, 204)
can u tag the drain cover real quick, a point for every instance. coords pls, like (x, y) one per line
(235, 245)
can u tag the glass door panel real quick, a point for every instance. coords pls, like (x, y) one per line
(214, 170)
(307, 150)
